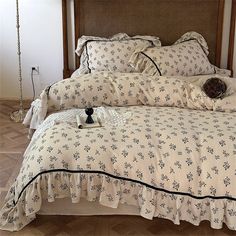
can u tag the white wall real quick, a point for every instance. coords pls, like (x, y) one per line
(1, 57)
(226, 31)
(41, 37)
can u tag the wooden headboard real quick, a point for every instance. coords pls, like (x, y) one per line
(231, 38)
(167, 19)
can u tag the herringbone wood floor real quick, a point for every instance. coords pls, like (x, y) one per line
(13, 141)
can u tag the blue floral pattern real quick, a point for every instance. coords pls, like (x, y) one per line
(170, 162)
(186, 57)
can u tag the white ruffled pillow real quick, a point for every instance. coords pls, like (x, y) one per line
(187, 57)
(110, 54)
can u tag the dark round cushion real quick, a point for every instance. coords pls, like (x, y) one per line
(214, 88)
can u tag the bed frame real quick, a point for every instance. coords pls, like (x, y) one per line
(147, 17)
(231, 37)
(168, 19)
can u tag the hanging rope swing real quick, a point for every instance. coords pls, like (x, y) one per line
(19, 115)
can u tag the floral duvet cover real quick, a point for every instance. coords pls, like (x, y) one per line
(174, 157)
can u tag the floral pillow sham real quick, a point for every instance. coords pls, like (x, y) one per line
(113, 55)
(187, 57)
(110, 54)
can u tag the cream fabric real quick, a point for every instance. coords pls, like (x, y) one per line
(126, 89)
(184, 59)
(110, 54)
(113, 56)
(37, 112)
(187, 57)
(170, 162)
(192, 35)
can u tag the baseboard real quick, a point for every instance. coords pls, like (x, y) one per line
(14, 99)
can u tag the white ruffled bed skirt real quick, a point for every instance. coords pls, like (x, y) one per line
(111, 192)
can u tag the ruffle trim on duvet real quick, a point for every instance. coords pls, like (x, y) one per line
(110, 192)
(37, 112)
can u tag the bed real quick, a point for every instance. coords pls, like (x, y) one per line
(165, 149)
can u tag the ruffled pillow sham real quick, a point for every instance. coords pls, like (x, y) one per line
(110, 54)
(186, 57)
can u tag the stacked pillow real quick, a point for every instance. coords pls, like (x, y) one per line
(188, 56)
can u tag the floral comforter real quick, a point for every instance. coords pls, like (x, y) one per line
(174, 157)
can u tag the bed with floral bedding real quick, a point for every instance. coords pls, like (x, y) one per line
(164, 147)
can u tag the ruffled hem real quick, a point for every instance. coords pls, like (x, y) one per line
(110, 192)
(141, 63)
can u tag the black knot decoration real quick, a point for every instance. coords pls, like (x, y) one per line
(214, 88)
(89, 112)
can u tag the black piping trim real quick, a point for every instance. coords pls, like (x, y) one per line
(118, 40)
(49, 87)
(186, 40)
(152, 62)
(121, 178)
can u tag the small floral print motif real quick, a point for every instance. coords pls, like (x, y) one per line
(128, 89)
(108, 56)
(167, 158)
(175, 64)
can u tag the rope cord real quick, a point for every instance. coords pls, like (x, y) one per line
(32, 81)
(19, 53)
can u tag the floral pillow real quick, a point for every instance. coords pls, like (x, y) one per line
(187, 57)
(111, 54)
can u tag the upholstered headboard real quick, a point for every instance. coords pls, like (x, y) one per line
(167, 19)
